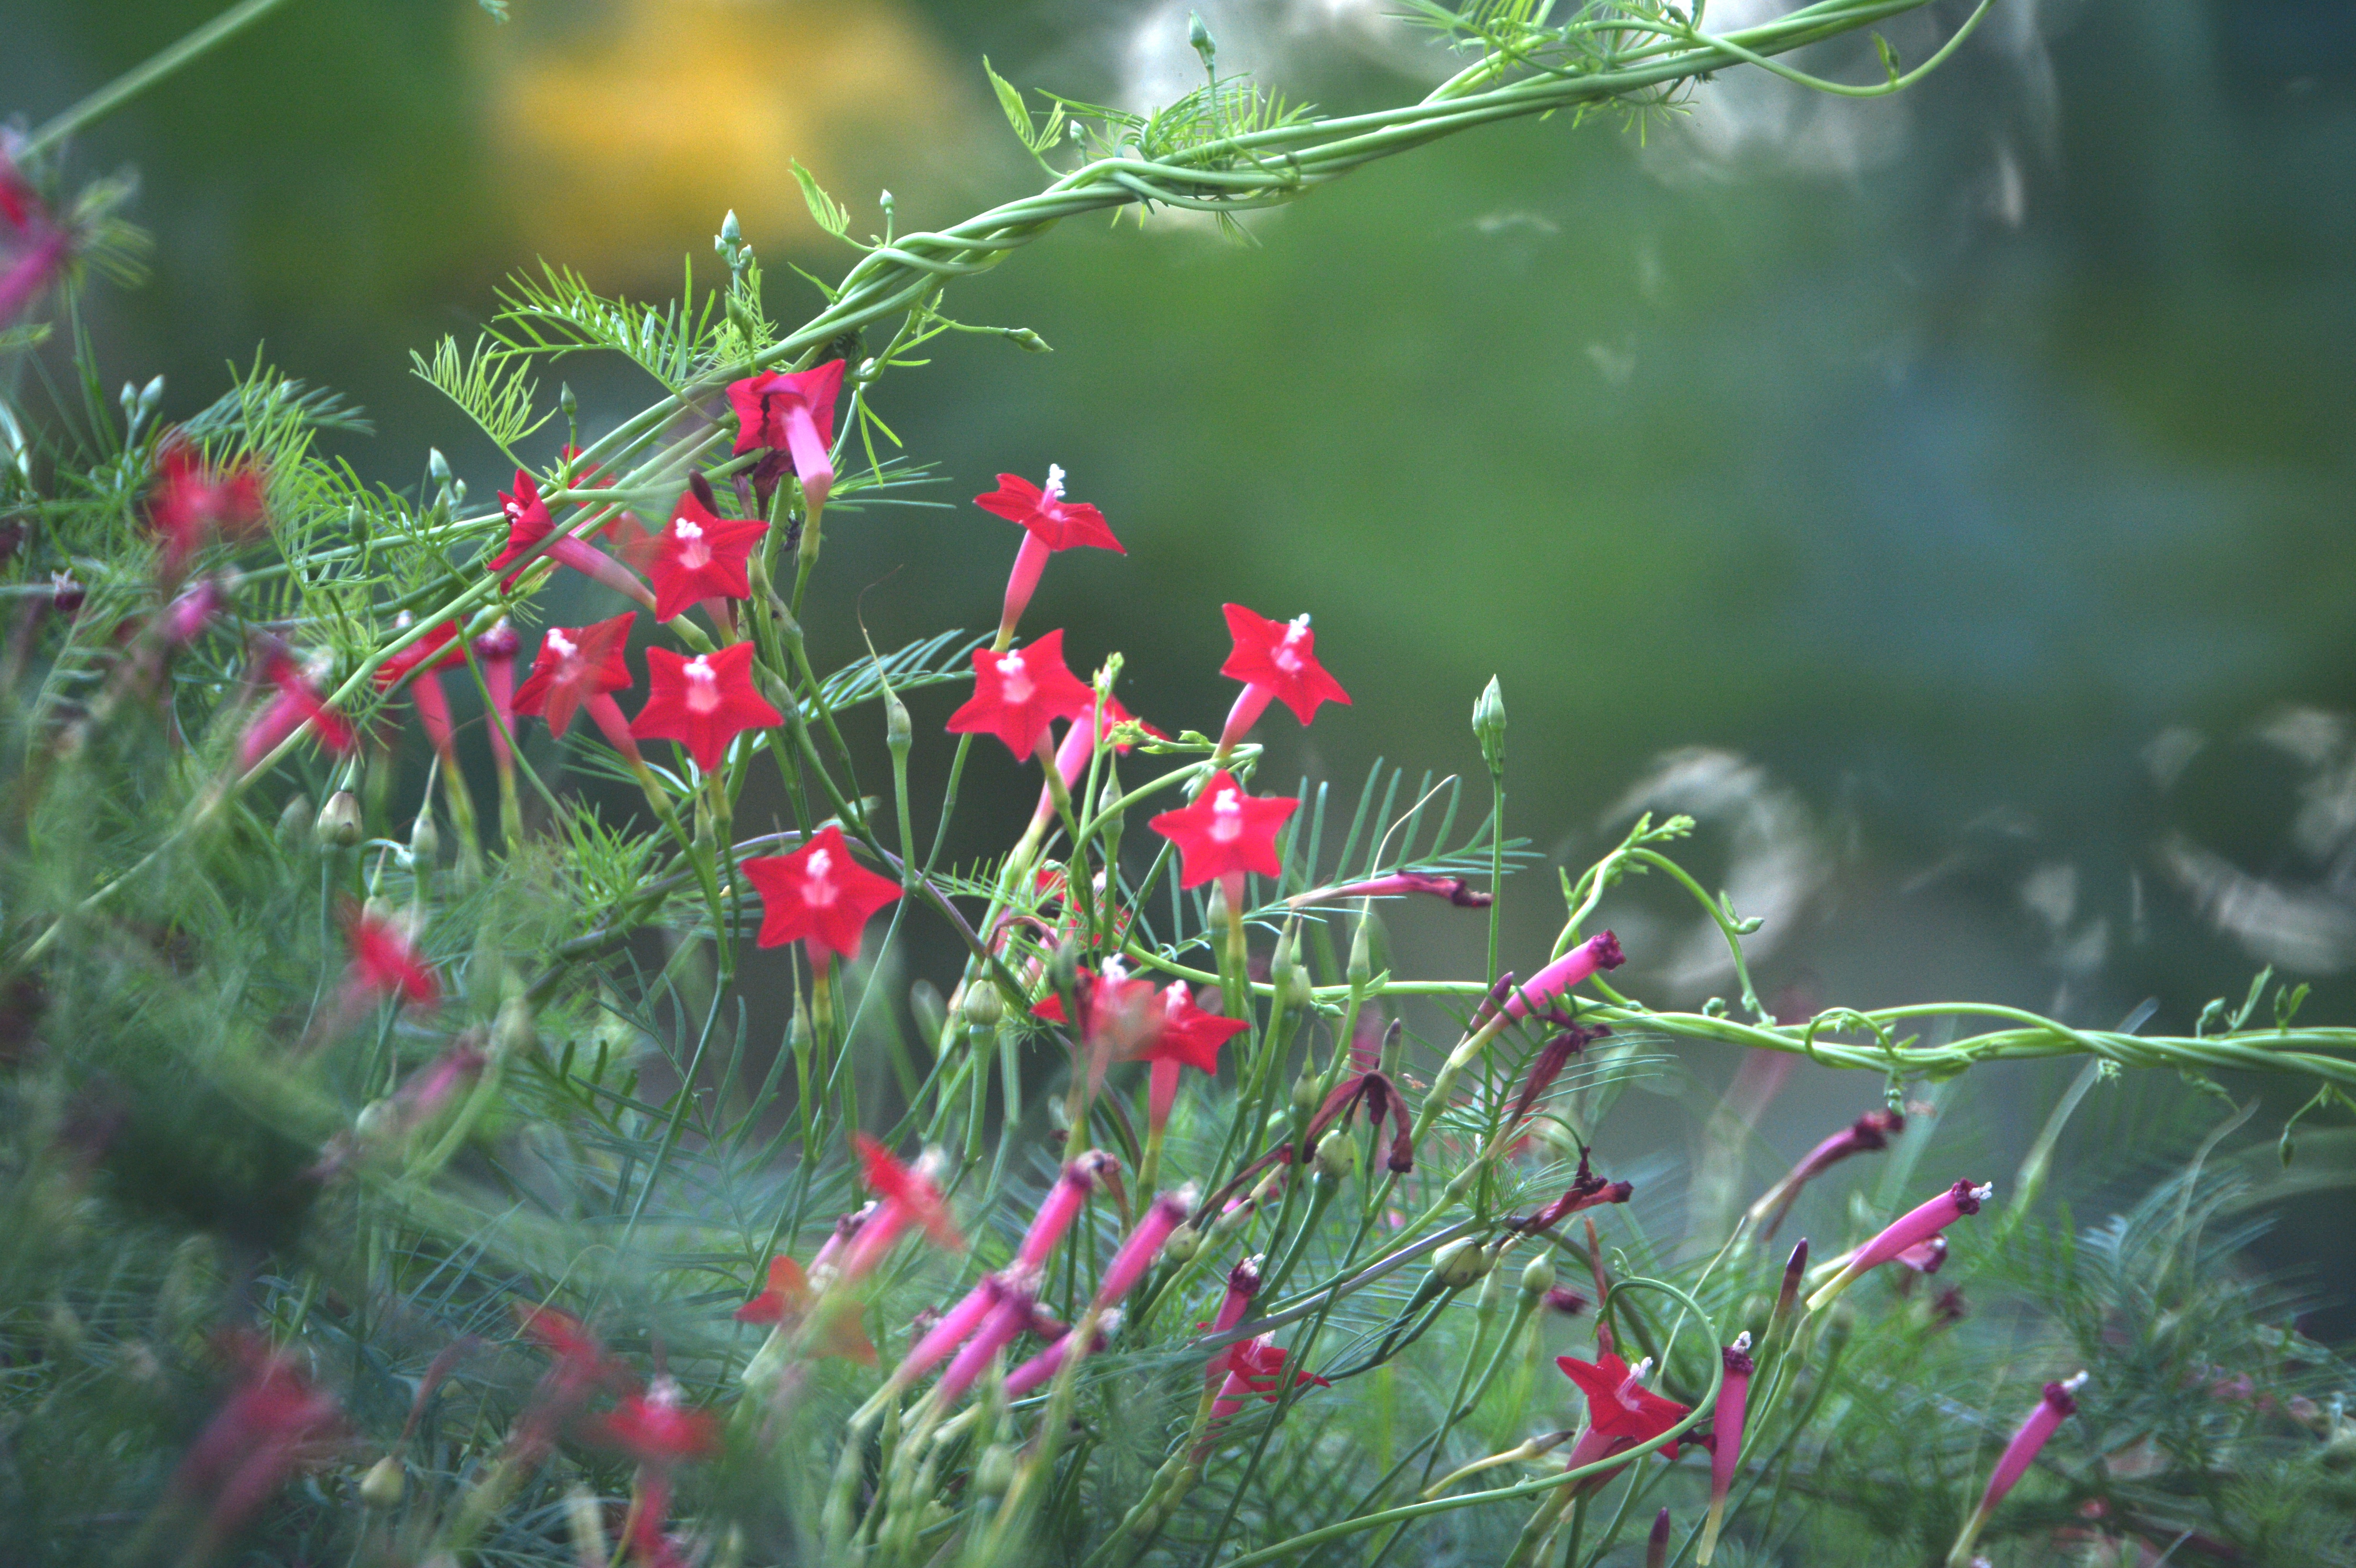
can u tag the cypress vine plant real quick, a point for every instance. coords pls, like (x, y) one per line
(392, 1173)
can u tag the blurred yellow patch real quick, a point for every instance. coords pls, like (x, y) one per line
(623, 131)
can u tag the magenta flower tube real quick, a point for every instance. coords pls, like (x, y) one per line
(1050, 1362)
(1601, 951)
(1911, 1228)
(1726, 1439)
(1029, 561)
(2058, 1403)
(1064, 1200)
(947, 1334)
(1012, 1316)
(1137, 1254)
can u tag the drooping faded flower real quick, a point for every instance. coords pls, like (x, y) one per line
(528, 524)
(1726, 1422)
(791, 412)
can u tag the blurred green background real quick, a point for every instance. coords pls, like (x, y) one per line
(1945, 497)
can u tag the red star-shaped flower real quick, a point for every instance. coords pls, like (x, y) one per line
(574, 665)
(1118, 1014)
(1018, 693)
(1188, 1035)
(1280, 658)
(703, 702)
(194, 505)
(1226, 831)
(656, 1428)
(298, 702)
(529, 523)
(792, 412)
(385, 961)
(1055, 523)
(909, 1193)
(818, 894)
(1621, 1407)
(786, 1301)
(702, 555)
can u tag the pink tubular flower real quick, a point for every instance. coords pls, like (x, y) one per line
(701, 555)
(1019, 693)
(1868, 1133)
(1010, 1317)
(1050, 1362)
(791, 412)
(578, 669)
(1277, 661)
(496, 651)
(1924, 1257)
(1726, 1439)
(1072, 753)
(1911, 1228)
(817, 895)
(955, 1325)
(298, 702)
(194, 612)
(2058, 1403)
(703, 702)
(1063, 1203)
(1455, 889)
(528, 524)
(274, 1422)
(1138, 1252)
(1600, 951)
(1050, 524)
(437, 650)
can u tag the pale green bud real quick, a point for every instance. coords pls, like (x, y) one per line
(1461, 1263)
(1336, 1156)
(1183, 1243)
(294, 824)
(382, 1486)
(1489, 724)
(994, 1471)
(983, 1006)
(1537, 1275)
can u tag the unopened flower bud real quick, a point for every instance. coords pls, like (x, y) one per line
(437, 467)
(1336, 1156)
(1538, 1277)
(424, 839)
(897, 730)
(1183, 1243)
(1028, 341)
(149, 396)
(340, 820)
(1489, 724)
(1215, 907)
(994, 1471)
(568, 402)
(983, 1006)
(1305, 1089)
(1461, 1263)
(730, 234)
(1064, 969)
(294, 824)
(382, 1486)
(1199, 38)
(1362, 964)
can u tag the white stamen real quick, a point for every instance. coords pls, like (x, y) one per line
(1054, 486)
(1227, 817)
(1015, 685)
(1743, 1340)
(818, 880)
(685, 530)
(702, 685)
(565, 646)
(1289, 655)
(1985, 1191)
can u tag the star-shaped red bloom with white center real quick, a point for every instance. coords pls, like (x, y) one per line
(1188, 1035)
(1119, 1015)
(575, 663)
(1017, 694)
(702, 555)
(916, 1199)
(1618, 1406)
(656, 1428)
(1227, 830)
(1054, 522)
(818, 894)
(1279, 657)
(703, 702)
